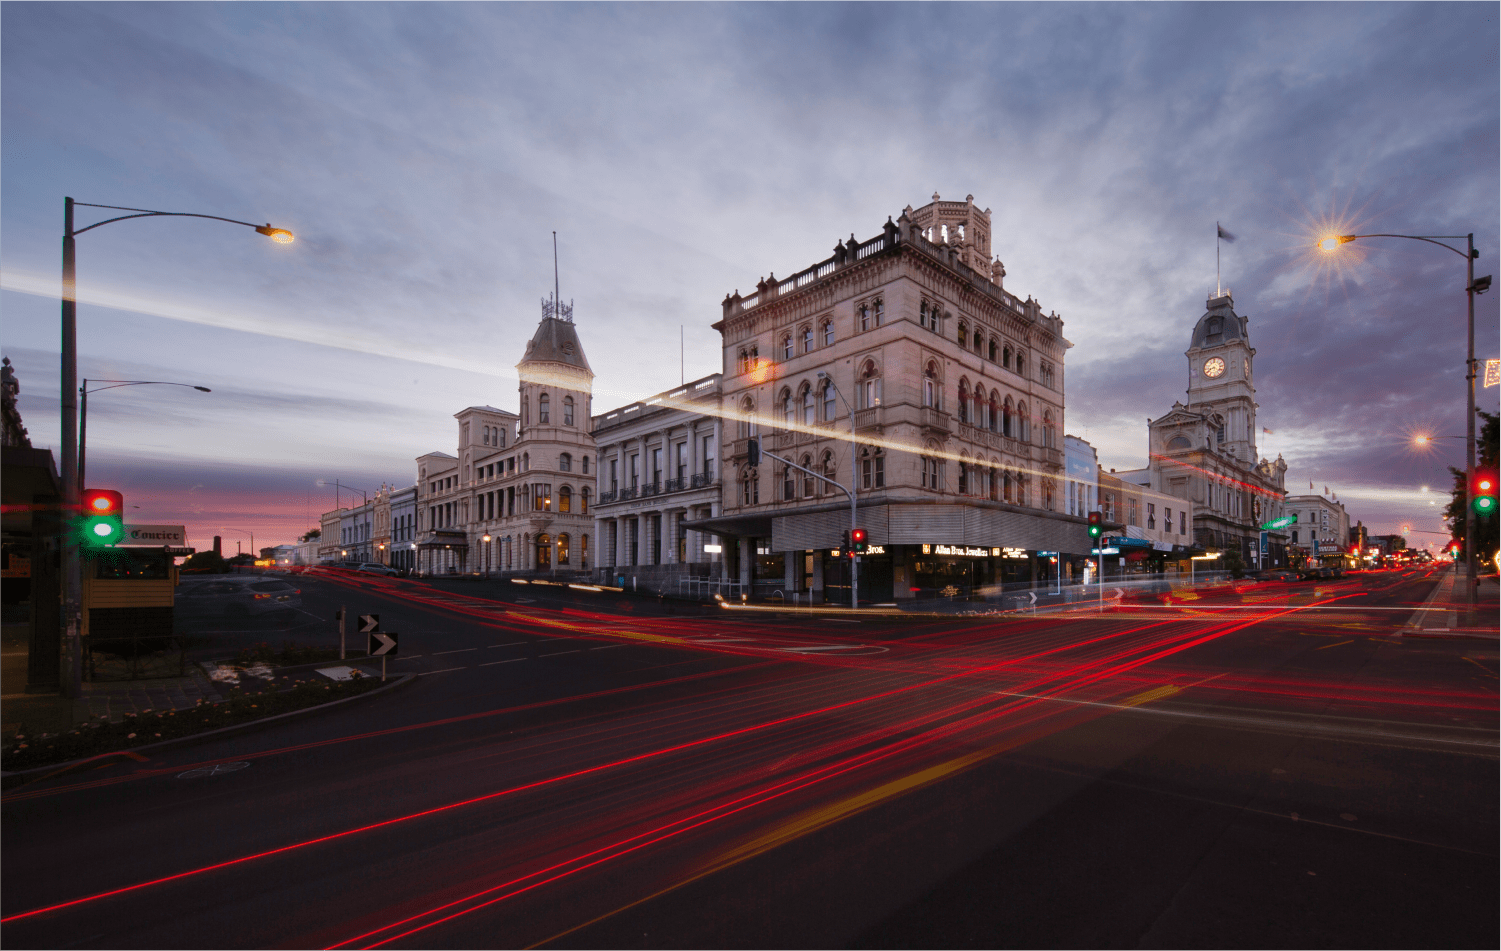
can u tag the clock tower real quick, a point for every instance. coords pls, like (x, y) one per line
(1220, 384)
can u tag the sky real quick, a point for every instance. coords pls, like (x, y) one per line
(424, 154)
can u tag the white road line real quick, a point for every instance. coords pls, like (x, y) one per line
(494, 662)
(512, 644)
(832, 647)
(558, 653)
(608, 647)
(443, 671)
(459, 651)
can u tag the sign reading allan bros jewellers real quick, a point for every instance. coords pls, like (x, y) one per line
(961, 551)
(154, 536)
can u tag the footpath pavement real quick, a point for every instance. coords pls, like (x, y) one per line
(1446, 611)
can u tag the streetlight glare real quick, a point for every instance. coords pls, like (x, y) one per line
(279, 235)
(1329, 244)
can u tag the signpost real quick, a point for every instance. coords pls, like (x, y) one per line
(381, 645)
(339, 616)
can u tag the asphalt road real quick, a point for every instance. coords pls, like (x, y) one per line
(1277, 767)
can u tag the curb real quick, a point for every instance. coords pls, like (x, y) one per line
(22, 777)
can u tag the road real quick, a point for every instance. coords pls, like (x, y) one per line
(573, 768)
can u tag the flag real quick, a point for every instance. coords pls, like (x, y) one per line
(1265, 430)
(1223, 234)
(1326, 490)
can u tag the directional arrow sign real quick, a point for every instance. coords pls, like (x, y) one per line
(369, 623)
(382, 645)
(1282, 522)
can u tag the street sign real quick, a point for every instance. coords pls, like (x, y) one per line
(382, 644)
(369, 623)
(1282, 522)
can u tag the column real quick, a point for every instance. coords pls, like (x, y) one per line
(601, 559)
(791, 568)
(817, 591)
(747, 552)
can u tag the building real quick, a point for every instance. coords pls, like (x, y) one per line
(1322, 533)
(903, 370)
(1081, 466)
(1204, 451)
(658, 468)
(403, 546)
(517, 495)
(1157, 529)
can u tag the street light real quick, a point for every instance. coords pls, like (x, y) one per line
(1473, 286)
(72, 569)
(83, 411)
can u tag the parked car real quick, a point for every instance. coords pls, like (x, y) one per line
(1281, 574)
(239, 597)
(375, 569)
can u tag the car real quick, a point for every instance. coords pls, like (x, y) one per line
(374, 569)
(239, 596)
(1282, 574)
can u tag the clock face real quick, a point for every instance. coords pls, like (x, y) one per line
(1214, 367)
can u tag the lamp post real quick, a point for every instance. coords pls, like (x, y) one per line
(226, 528)
(83, 411)
(1472, 287)
(72, 569)
(854, 516)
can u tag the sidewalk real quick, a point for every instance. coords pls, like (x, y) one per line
(1445, 610)
(53, 713)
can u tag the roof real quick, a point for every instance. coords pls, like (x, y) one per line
(483, 409)
(556, 341)
(1232, 325)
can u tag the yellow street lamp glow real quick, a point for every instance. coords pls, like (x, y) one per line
(1335, 240)
(279, 235)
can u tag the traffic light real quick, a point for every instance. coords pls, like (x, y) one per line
(1095, 525)
(753, 452)
(103, 521)
(857, 540)
(1483, 492)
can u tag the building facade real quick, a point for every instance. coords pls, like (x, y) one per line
(1203, 452)
(903, 370)
(658, 468)
(517, 495)
(1156, 535)
(1321, 534)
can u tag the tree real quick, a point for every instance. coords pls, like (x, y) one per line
(1234, 563)
(312, 534)
(205, 562)
(1487, 533)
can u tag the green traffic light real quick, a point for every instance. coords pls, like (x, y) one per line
(102, 530)
(1485, 505)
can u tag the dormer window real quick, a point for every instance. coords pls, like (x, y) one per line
(1214, 329)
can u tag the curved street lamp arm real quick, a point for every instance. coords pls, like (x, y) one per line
(1415, 237)
(120, 383)
(154, 214)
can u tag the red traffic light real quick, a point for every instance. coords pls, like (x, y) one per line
(103, 502)
(857, 535)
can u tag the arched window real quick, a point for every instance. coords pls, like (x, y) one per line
(584, 500)
(789, 484)
(746, 425)
(963, 475)
(544, 551)
(880, 308)
(584, 463)
(1047, 494)
(500, 437)
(584, 550)
(932, 395)
(1007, 425)
(486, 436)
(807, 339)
(828, 333)
(1213, 328)
(744, 362)
(868, 394)
(1021, 364)
(1023, 423)
(526, 411)
(992, 351)
(1006, 488)
(565, 463)
(544, 403)
(807, 463)
(810, 407)
(567, 411)
(1006, 357)
(963, 334)
(565, 499)
(993, 416)
(994, 481)
(526, 462)
(563, 549)
(963, 405)
(787, 350)
(789, 409)
(1049, 434)
(750, 487)
(829, 471)
(1179, 442)
(979, 343)
(829, 409)
(865, 315)
(922, 315)
(872, 469)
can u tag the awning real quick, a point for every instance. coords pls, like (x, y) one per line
(739, 526)
(444, 539)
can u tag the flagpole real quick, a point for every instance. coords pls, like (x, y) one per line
(1217, 291)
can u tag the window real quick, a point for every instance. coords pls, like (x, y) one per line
(1021, 365)
(1023, 424)
(565, 463)
(865, 315)
(829, 409)
(963, 334)
(787, 350)
(868, 393)
(992, 351)
(563, 549)
(1151, 515)
(807, 339)
(750, 489)
(584, 461)
(744, 361)
(1049, 433)
(928, 481)
(810, 407)
(614, 474)
(583, 549)
(584, 501)
(963, 478)
(1007, 428)
(788, 487)
(829, 471)
(567, 411)
(656, 465)
(979, 343)
(526, 411)
(1182, 522)
(541, 498)
(708, 468)
(486, 436)
(807, 463)
(565, 499)
(526, 462)
(789, 412)
(880, 308)
(828, 333)
(635, 461)
(543, 405)
(500, 438)
(746, 425)
(994, 481)
(963, 407)
(1047, 494)
(931, 395)
(1133, 512)
(1167, 519)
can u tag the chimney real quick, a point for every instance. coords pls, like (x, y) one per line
(217, 547)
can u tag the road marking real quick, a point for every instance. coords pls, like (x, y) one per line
(608, 647)
(217, 769)
(558, 653)
(512, 644)
(445, 670)
(1156, 693)
(1327, 646)
(492, 663)
(828, 647)
(459, 651)
(1482, 667)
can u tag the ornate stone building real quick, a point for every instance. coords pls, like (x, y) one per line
(517, 495)
(903, 365)
(1204, 450)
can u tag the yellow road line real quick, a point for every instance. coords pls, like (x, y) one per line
(1156, 693)
(1327, 646)
(1481, 666)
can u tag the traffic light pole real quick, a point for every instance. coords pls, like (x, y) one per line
(72, 567)
(1470, 439)
(854, 562)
